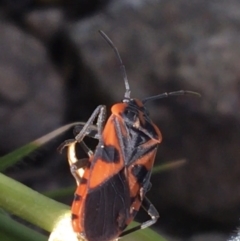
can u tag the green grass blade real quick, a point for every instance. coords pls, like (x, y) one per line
(13, 157)
(143, 235)
(6, 237)
(168, 166)
(13, 230)
(30, 205)
(63, 192)
(42, 211)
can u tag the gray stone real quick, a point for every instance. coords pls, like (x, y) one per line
(30, 89)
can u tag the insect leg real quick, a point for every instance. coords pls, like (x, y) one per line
(152, 212)
(100, 111)
(88, 129)
(77, 166)
(86, 149)
(69, 142)
(92, 130)
(65, 144)
(101, 120)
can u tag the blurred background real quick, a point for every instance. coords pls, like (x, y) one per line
(55, 69)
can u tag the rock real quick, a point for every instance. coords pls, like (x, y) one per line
(30, 91)
(45, 23)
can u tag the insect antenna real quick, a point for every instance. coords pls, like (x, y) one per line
(168, 94)
(122, 67)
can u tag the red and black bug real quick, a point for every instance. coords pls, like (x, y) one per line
(113, 181)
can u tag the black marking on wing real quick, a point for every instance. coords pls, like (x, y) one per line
(107, 153)
(133, 152)
(140, 172)
(77, 197)
(107, 209)
(131, 114)
(83, 181)
(137, 136)
(132, 144)
(74, 216)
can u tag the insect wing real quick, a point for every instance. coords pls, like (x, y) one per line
(102, 201)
